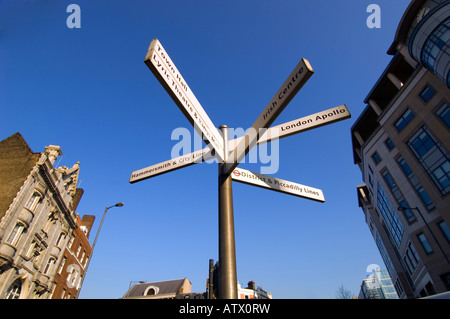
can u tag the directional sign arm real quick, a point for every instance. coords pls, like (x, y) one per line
(159, 62)
(173, 164)
(277, 184)
(302, 124)
(302, 72)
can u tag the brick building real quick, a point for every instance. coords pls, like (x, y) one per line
(75, 260)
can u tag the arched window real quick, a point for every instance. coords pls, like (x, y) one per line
(14, 290)
(151, 291)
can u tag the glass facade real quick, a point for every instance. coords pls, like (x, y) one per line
(399, 196)
(384, 254)
(378, 286)
(415, 183)
(433, 157)
(390, 217)
(437, 44)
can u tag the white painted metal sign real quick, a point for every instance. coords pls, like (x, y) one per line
(170, 78)
(283, 130)
(302, 124)
(172, 164)
(277, 184)
(302, 72)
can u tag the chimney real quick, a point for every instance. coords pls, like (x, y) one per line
(251, 285)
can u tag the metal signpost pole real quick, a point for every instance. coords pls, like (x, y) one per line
(227, 248)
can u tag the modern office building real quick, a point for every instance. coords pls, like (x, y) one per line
(401, 144)
(37, 218)
(378, 285)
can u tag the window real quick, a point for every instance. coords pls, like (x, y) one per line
(415, 183)
(404, 120)
(389, 144)
(49, 265)
(78, 251)
(445, 230)
(446, 280)
(376, 158)
(370, 180)
(433, 158)
(425, 244)
(391, 219)
(384, 254)
(411, 258)
(398, 287)
(60, 239)
(15, 234)
(69, 244)
(14, 290)
(398, 196)
(31, 249)
(444, 114)
(61, 266)
(426, 94)
(31, 204)
(436, 43)
(151, 291)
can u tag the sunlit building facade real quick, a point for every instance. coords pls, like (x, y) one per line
(37, 219)
(401, 143)
(378, 286)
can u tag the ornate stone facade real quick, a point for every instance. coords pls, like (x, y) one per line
(37, 217)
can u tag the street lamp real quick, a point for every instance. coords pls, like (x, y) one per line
(402, 208)
(119, 204)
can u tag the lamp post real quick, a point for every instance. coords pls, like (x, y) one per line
(120, 204)
(429, 229)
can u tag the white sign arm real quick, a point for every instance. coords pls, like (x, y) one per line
(302, 72)
(277, 184)
(159, 62)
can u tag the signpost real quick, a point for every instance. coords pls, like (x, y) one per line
(218, 146)
(303, 124)
(277, 184)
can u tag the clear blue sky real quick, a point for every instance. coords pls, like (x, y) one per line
(89, 91)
